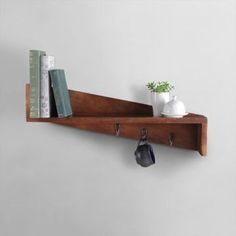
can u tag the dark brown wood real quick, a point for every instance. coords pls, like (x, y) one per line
(202, 138)
(100, 114)
(85, 104)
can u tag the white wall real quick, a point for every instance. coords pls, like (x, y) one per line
(61, 181)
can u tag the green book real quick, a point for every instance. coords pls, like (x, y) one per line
(61, 93)
(35, 74)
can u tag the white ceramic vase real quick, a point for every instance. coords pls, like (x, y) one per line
(153, 103)
(158, 100)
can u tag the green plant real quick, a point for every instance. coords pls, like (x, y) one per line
(151, 86)
(160, 87)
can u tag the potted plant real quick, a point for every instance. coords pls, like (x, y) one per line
(160, 95)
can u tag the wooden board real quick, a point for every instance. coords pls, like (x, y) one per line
(101, 114)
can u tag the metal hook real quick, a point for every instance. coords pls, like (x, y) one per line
(171, 138)
(117, 129)
(144, 133)
(143, 136)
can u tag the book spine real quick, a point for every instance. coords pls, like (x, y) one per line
(61, 93)
(34, 64)
(47, 63)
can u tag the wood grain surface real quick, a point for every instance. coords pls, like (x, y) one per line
(101, 114)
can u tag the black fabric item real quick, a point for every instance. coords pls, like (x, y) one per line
(145, 155)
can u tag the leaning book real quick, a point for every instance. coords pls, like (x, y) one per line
(35, 73)
(47, 63)
(60, 92)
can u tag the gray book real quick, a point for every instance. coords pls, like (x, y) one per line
(61, 93)
(35, 74)
(47, 63)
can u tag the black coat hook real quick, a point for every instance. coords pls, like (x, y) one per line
(171, 138)
(144, 133)
(117, 129)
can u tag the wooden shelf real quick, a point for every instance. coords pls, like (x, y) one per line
(102, 114)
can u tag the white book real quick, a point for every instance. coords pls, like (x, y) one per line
(47, 63)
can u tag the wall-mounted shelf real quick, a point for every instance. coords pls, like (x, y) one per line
(126, 119)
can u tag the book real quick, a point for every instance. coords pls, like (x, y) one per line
(47, 63)
(61, 93)
(34, 64)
